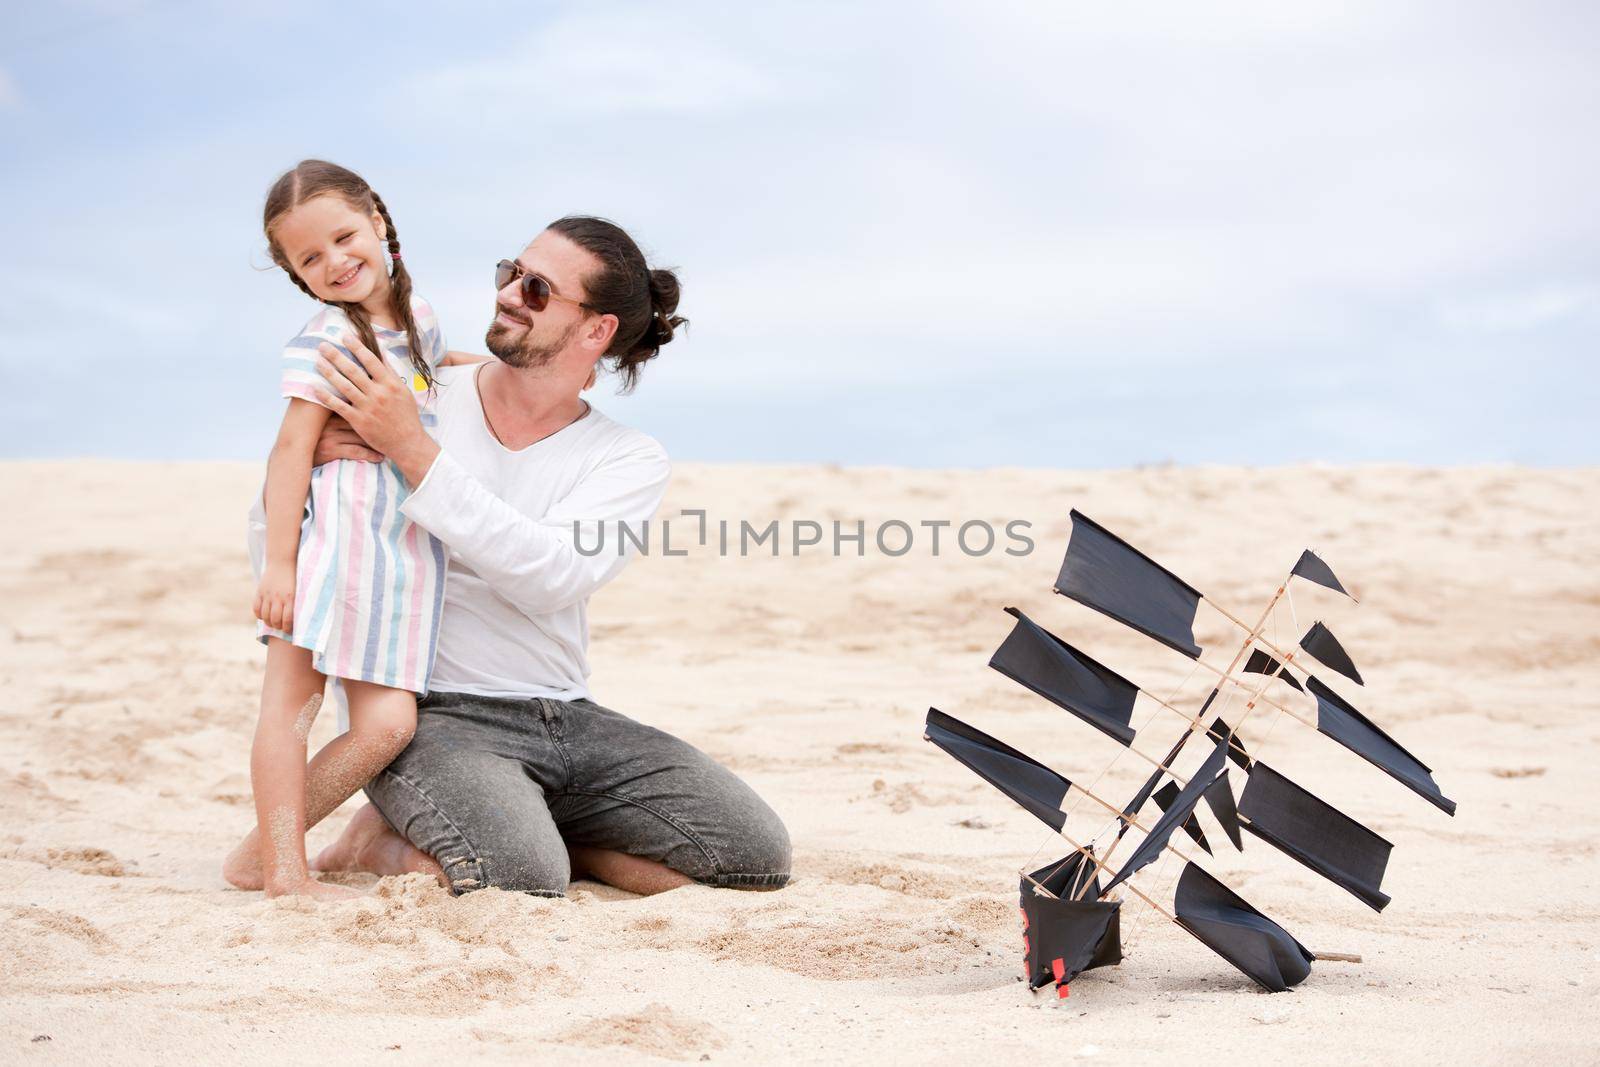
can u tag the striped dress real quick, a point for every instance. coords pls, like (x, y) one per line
(369, 583)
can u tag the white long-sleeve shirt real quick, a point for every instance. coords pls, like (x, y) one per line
(515, 618)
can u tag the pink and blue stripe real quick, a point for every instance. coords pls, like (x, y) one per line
(370, 583)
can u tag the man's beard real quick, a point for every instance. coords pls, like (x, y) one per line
(527, 351)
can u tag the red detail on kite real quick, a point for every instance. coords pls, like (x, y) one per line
(1058, 967)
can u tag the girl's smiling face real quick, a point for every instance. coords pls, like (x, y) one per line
(335, 249)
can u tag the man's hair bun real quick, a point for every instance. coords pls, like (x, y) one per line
(663, 302)
(645, 301)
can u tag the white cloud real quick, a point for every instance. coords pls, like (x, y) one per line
(1159, 186)
(1518, 310)
(1122, 200)
(592, 64)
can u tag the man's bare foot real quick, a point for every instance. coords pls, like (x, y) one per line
(634, 873)
(370, 844)
(242, 868)
(311, 888)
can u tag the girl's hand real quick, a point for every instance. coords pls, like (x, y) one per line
(339, 441)
(275, 596)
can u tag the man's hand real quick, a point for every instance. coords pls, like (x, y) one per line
(275, 596)
(340, 441)
(378, 406)
(371, 397)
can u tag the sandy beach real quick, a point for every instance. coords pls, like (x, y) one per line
(128, 698)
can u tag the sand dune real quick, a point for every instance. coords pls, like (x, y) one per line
(127, 689)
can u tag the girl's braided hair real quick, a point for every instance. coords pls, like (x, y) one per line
(316, 177)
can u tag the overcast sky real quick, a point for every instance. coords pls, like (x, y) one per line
(1051, 234)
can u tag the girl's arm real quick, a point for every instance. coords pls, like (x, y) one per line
(288, 481)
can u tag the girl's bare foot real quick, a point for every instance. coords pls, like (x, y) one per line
(242, 868)
(312, 888)
(369, 844)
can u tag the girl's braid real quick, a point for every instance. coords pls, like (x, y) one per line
(400, 291)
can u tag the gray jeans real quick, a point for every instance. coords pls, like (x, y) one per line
(495, 789)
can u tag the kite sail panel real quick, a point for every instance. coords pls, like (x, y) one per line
(1165, 797)
(1316, 834)
(1338, 719)
(1320, 642)
(1182, 807)
(1220, 730)
(1150, 783)
(1034, 657)
(1261, 663)
(1238, 933)
(1074, 875)
(1219, 797)
(1065, 937)
(1021, 777)
(1312, 569)
(1104, 572)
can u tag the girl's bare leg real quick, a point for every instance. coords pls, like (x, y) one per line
(382, 722)
(290, 694)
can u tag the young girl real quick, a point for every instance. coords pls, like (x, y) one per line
(349, 587)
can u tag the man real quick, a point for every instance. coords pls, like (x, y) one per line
(515, 778)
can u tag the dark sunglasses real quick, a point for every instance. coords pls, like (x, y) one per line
(536, 292)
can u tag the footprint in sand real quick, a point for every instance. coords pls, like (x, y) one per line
(66, 924)
(89, 860)
(655, 1031)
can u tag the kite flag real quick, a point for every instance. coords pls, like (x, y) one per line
(1320, 642)
(1034, 657)
(1145, 792)
(1182, 806)
(1338, 719)
(1104, 572)
(1317, 834)
(1065, 937)
(1022, 778)
(1149, 786)
(1313, 569)
(1239, 933)
(1221, 731)
(1219, 797)
(1164, 798)
(1261, 663)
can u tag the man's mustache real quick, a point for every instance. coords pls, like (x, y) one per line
(512, 314)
